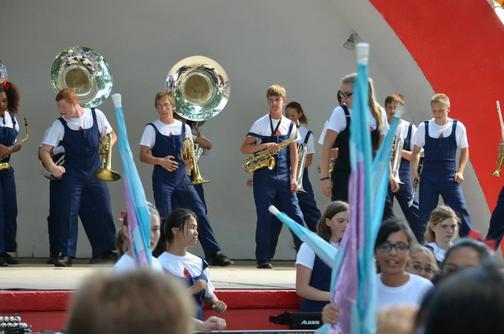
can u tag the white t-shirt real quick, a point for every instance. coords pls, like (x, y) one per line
(306, 256)
(337, 121)
(410, 293)
(402, 130)
(438, 252)
(262, 127)
(175, 265)
(311, 142)
(8, 121)
(436, 130)
(322, 134)
(56, 131)
(174, 129)
(127, 263)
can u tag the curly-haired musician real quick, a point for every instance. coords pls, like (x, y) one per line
(80, 129)
(276, 186)
(441, 137)
(161, 145)
(9, 128)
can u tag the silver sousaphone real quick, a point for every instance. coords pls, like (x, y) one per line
(88, 73)
(201, 90)
(200, 87)
(3, 72)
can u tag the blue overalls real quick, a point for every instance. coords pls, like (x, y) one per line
(341, 170)
(175, 186)
(438, 178)
(82, 160)
(8, 202)
(496, 228)
(320, 279)
(199, 297)
(306, 199)
(403, 195)
(273, 187)
(53, 219)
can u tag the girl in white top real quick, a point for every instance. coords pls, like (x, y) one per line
(313, 276)
(335, 186)
(294, 111)
(442, 230)
(395, 286)
(126, 261)
(179, 232)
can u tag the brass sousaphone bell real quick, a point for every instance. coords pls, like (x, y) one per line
(201, 90)
(86, 72)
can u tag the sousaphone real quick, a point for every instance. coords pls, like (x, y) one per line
(3, 72)
(88, 73)
(201, 90)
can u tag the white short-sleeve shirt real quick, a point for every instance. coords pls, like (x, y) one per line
(262, 127)
(56, 131)
(402, 131)
(436, 130)
(310, 145)
(306, 256)
(410, 293)
(174, 129)
(337, 122)
(6, 121)
(127, 263)
(175, 265)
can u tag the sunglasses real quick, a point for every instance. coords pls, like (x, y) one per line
(346, 94)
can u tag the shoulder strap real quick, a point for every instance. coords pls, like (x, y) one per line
(152, 124)
(426, 128)
(307, 136)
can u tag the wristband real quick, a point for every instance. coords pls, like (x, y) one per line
(325, 178)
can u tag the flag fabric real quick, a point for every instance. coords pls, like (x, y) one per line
(353, 279)
(136, 201)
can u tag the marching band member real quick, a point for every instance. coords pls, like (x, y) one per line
(496, 228)
(161, 146)
(80, 130)
(335, 186)
(180, 231)
(441, 137)
(306, 198)
(9, 128)
(277, 186)
(405, 131)
(54, 218)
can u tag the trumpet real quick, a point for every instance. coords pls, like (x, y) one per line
(188, 153)
(265, 158)
(302, 153)
(397, 146)
(105, 173)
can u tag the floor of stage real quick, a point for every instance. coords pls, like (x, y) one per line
(34, 274)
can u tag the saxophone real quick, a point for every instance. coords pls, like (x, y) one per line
(265, 158)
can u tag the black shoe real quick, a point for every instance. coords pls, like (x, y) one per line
(219, 260)
(51, 259)
(63, 261)
(9, 259)
(109, 257)
(3, 263)
(264, 265)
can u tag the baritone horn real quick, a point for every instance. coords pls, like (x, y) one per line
(397, 146)
(105, 173)
(201, 90)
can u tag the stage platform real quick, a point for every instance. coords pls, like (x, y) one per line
(40, 293)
